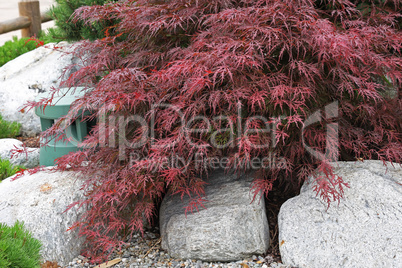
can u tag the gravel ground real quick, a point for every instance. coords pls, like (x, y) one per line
(145, 252)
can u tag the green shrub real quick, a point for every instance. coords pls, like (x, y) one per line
(72, 31)
(7, 170)
(18, 249)
(51, 35)
(9, 129)
(16, 47)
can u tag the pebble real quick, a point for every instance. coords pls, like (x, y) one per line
(146, 253)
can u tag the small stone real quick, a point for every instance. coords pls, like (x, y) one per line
(198, 264)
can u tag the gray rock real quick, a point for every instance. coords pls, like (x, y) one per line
(364, 230)
(39, 200)
(231, 228)
(29, 160)
(24, 77)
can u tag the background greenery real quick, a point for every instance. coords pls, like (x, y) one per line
(9, 129)
(18, 249)
(16, 47)
(8, 170)
(66, 29)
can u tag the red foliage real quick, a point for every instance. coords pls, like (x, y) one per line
(38, 42)
(303, 82)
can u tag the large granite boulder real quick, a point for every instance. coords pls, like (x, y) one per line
(230, 228)
(31, 73)
(364, 230)
(39, 200)
(30, 159)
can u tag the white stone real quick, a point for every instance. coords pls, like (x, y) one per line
(364, 230)
(230, 228)
(39, 200)
(24, 77)
(28, 160)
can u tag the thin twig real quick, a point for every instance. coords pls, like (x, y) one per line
(153, 246)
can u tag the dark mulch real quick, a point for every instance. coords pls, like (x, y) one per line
(31, 142)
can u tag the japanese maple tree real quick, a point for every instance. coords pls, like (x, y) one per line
(307, 82)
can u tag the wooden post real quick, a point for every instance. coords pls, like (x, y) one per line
(31, 10)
